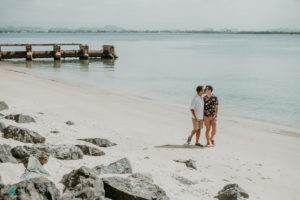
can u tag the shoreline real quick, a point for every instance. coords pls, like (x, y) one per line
(268, 126)
(248, 155)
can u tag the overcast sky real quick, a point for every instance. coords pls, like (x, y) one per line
(153, 14)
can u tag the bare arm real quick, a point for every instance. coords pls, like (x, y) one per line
(217, 109)
(193, 112)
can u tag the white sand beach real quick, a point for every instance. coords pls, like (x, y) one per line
(265, 164)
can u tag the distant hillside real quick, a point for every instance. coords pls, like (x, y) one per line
(111, 28)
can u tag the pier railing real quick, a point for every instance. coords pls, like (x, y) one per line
(107, 51)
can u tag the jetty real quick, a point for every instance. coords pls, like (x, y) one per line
(83, 52)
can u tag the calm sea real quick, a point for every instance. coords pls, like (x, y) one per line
(254, 76)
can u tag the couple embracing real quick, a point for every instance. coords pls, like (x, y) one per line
(204, 109)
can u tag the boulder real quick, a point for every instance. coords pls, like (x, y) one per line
(39, 188)
(22, 135)
(99, 142)
(20, 118)
(1, 183)
(82, 183)
(70, 123)
(40, 151)
(62, 151)
(132, 189)
(5, 154)
(121, 166)
(232, 192)
(34, 169)
(22, 153)
(2, 126)
(189, 163)
(90, 151)
(3, 106)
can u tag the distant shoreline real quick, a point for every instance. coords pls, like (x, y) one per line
(153, 31)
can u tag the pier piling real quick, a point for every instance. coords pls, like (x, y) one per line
(108, 51)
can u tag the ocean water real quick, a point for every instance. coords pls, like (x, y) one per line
(255, 76)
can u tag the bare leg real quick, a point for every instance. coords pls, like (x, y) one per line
(213, 133)
(192, 133)
(198, 136)
(207, 134)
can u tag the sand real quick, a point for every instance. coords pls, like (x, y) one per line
(265, 164)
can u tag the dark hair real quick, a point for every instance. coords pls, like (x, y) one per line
(199, 88)
(209, 87)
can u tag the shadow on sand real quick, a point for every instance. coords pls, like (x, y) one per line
(176, 146)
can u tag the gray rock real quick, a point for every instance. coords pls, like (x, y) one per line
(183, 180)
(232, 192)
(70, 123)
(99, 142)
(189, 163)
(39, 188)
(3, 106)
(82, 183)
(20, 118)
(63, 152)
(1, 115)
(2, 126)
(1, 183)
(22, 153)
(132, 189)
(5, 154)
(121, 166)
(90, 151)
(34, 169)
(22, 135)
(142, 177)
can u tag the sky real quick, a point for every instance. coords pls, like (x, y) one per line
(153, 14)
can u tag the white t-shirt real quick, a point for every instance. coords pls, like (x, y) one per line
(197, 105)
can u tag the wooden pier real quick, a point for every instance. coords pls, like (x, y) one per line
(108, 51)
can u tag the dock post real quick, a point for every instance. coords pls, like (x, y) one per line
(57, 53)
(109, 51)
(28, 52)
(0, 53)
(84, 51)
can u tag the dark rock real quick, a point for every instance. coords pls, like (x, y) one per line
(99, 142)
(90, 151)
(1, 183)
(20, 118)
(132, 189)
(22, 153)
(2, 126)
(40, 151)
(82, 183)
(3, 106)
(39, 188)
(184, 180)
(70, 123)
(54, 132)
(5, 154)
(232, 192)
(121, 166)
(22, 135)
(189, 163)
